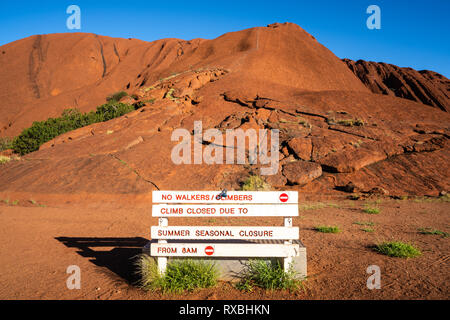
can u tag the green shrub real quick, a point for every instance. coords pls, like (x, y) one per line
(40, 132)
(4, 159)
(180, 275)
(267, 275)
(371, 210)
(116, 96)
(255, 183)
(397, 249)
(327, 229)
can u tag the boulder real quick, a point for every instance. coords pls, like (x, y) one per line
(351, 159)
(301, 172)
(302, 147)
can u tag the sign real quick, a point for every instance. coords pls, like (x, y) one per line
(261, 197)
(223, 233)
(164, 210)
(248, 250)
(210, 239)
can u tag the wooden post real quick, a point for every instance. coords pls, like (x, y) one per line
(162, 261)
(287, 261)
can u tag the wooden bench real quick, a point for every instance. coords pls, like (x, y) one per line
(226, 242)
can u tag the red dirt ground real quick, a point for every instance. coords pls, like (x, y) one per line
(34, 261)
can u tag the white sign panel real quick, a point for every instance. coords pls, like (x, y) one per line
(222, 233)
(272, 197)
(223, 250)
(164, 210)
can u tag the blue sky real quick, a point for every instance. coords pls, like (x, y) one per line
(414, 33)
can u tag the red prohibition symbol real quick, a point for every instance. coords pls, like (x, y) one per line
(209, 250)
(284, 197)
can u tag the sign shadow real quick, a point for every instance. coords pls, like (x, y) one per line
(119, 259)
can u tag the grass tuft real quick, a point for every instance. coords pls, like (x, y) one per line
(255, 183)
(431, 231)
(5, 143)
(372, 210)
(181, 275)
(317, 205)
(327, 229)
(268, 275)
(397, 249)
(362, 223)
(4, 159)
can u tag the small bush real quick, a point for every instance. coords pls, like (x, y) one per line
(40, 132)
(354, 196)
(116, 96)
(5, 143)
(169, 94)
(255, 183)
(327, 229)
(180, 275)
(267, 275)
(368, 229)
(4, 159)
(397, 249)
(372, 210)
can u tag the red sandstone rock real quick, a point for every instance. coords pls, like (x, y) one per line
(428, 87)
(276, 77)
(301, 172)
(302, 147)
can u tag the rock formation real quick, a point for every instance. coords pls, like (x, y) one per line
(427, 87)
(334, 131)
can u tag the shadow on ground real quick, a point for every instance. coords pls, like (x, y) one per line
(119, 259)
